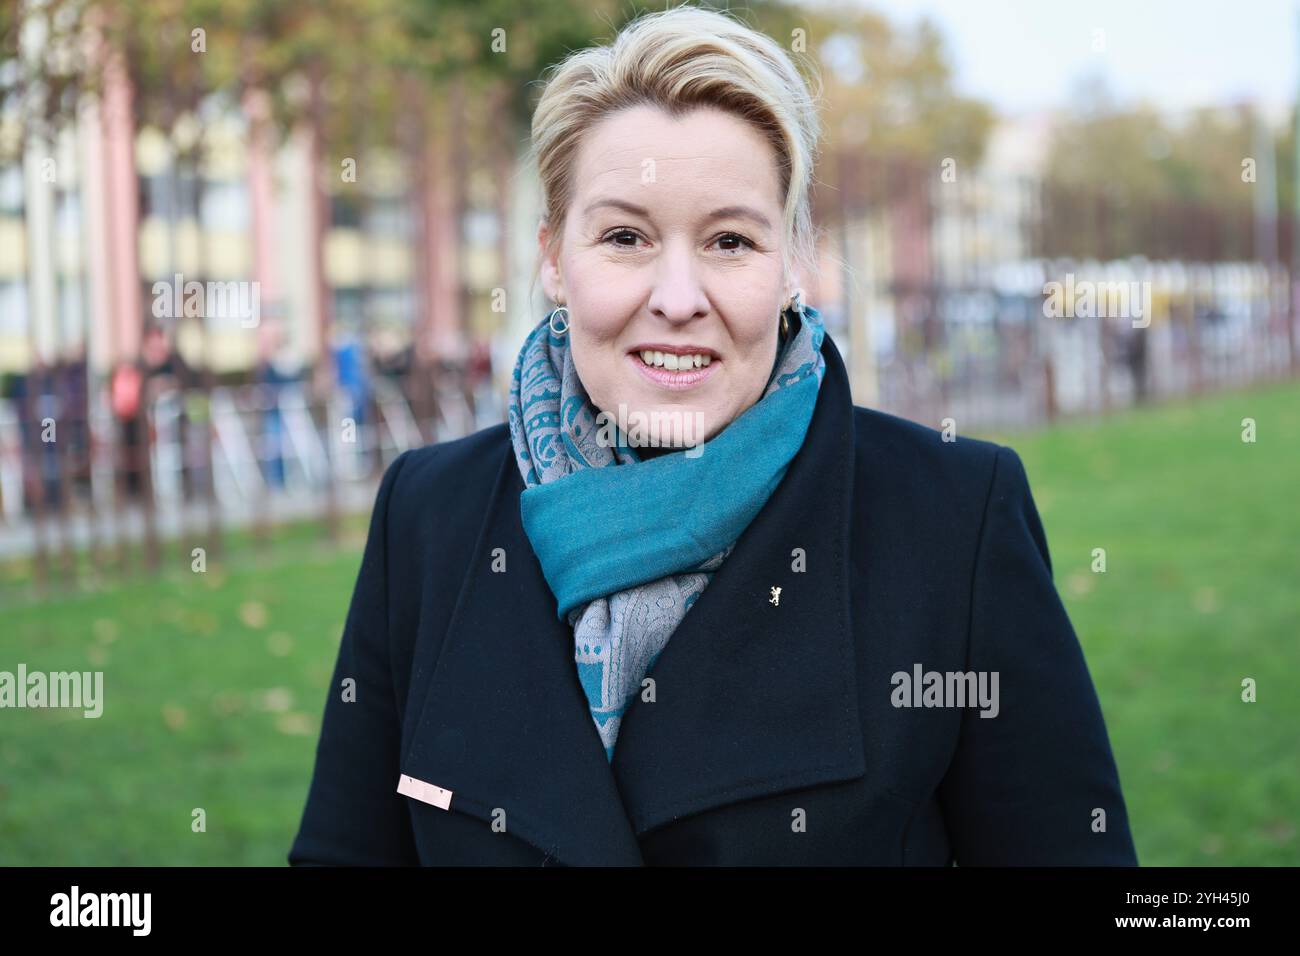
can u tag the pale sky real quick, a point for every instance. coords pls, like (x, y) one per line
(1027, 54)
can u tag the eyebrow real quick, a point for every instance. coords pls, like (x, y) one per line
(724, 212)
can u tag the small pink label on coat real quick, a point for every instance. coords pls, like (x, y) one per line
(424, 792)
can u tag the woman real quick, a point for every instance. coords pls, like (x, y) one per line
(691, 605)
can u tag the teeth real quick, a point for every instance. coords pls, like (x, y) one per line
(674, 362)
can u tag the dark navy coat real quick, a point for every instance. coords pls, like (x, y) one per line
(775, 735)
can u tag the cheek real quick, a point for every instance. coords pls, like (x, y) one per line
(757, 330)
(602, 302)
(592, 339)
(755, 338)
(593, 335)
(757, 342)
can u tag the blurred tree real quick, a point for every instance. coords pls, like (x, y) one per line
(10, 75)
(40, 86)
(475, 68)
(889, 92)
(1136, 180)
(181, 60)
(41, 78)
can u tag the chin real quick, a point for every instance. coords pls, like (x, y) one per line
(665, 425)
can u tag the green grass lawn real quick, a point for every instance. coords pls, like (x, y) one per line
(1201, 533)
(214, 686)
(215, 682)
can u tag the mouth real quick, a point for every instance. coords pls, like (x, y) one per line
(675, 367)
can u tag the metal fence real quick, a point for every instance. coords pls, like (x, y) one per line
(1001, 356)
(194, 463)
(1002, 300)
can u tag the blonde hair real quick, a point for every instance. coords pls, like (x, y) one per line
(682, 59)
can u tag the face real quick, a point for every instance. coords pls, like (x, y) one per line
(155, 346)
(672, 252)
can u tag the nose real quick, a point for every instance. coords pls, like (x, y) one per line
(677, 296)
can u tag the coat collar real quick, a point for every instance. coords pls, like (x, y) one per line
(751, 698)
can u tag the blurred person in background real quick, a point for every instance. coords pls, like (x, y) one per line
(133, 388)
(39, 405)
(352, 374)
(75, 401)
(166, 372)
(276, 368)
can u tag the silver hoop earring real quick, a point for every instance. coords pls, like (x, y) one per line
(557, 311)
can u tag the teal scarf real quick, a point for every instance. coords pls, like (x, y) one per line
(626, 545)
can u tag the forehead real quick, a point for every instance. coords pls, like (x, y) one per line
(642, 153)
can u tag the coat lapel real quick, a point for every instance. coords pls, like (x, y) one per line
(751, 698)
(505, 724)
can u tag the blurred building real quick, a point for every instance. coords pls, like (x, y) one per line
(79, 221)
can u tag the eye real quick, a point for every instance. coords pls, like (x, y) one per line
(614, 236)
(617, 233)
(735, 237)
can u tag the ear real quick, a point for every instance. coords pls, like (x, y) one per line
(552, 281)
(795, 284)
(792, 276)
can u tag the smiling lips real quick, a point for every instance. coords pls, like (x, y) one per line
(674, 369)
(673, 361)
